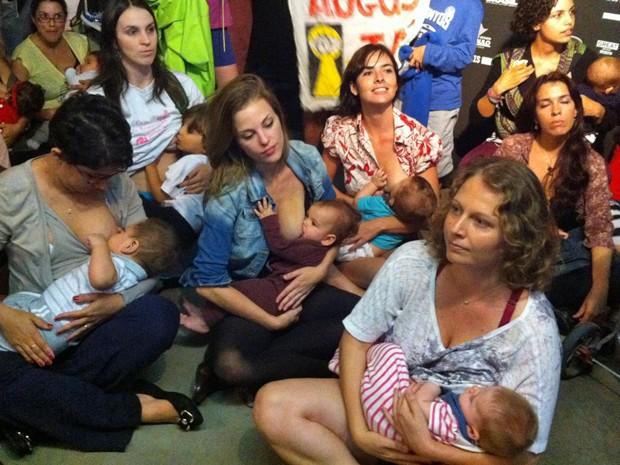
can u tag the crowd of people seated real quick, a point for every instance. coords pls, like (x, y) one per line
(372, 301)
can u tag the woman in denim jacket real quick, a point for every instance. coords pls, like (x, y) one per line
(252, 159)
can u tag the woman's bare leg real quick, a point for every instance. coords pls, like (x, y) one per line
(304, 421)
(362, 270)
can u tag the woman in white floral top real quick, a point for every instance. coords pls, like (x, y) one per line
(369, 133)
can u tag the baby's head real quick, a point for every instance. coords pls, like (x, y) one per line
(152, 243)
(330, 222)
(91, 63)
(500, 420)
(190, 138)
(413, 200)
(604, 75)
(29, 98)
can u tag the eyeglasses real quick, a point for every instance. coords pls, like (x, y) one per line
(94, 178)
(57, 18)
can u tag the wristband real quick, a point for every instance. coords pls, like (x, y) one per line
(494, 98)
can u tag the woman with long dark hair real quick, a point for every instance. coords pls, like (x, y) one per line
(551, 142)
(543, 42)
(151, 97)
(367, 134)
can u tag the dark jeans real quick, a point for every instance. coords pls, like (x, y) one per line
(572, 280)
(243, 353)
(79, 400)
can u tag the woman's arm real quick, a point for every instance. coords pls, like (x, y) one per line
(352, 366)
(498, 83)
(155, 174)
(303, 281)
(19, 70)
(21, 330)
(597, 297)
(235, 302)
(332, 164)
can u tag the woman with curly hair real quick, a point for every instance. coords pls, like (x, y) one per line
(574, 178)
(466, 308)
(543, 32)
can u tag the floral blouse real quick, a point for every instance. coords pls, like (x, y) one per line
(593, 206)
(417, 147)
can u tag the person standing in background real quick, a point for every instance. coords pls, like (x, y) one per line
(452, 28)
(220, 18)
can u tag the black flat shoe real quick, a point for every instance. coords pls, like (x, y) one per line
(189, 415)
(19, 442)
(203, 384)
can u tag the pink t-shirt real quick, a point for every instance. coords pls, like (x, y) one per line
(219, 14)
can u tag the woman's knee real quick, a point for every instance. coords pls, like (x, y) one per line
(273, 409)
(156, 318)
(231, 368)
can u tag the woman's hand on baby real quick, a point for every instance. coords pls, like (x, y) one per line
(379, 446)
(302, 282)
(366, 232)
(21, 330)
(197, 180)
(285, 319)
(592, 108)
(408, 420)
(264, 208)
(100, 308)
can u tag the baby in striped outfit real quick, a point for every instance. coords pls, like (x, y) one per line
(490, 419)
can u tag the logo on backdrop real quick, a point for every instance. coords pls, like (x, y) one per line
(512, 3)
(483, 41)
(606, 47)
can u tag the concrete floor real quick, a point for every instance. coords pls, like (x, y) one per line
(586, 429)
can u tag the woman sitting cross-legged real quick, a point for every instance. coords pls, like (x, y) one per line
(369, 134)
(552, 143)
(465, 307)
(252, 159)
(49, 206)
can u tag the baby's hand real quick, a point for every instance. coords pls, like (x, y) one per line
(263, 208)
(93, 240)
(563, 234)
(379, 179)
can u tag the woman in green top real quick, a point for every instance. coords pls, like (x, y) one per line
(45, 54)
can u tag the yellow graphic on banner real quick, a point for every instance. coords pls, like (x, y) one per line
(326, 44)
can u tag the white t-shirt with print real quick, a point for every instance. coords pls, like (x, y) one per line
(523, 355)
(189, 206)
(153, 123)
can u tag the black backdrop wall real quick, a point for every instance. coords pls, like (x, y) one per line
(597, 24)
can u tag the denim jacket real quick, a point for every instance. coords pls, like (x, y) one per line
(231, 244)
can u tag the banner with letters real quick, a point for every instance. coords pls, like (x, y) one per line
(328, 32)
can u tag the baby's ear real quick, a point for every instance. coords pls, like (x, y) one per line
(328, 240)
(130, 246)
(473, 433)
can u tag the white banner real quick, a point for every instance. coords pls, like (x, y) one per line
(328, 32)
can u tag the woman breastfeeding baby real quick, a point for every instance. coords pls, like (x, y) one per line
(252, 159)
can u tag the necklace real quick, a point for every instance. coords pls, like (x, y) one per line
(486, 293)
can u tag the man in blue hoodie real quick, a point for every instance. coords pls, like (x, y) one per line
(449, 35)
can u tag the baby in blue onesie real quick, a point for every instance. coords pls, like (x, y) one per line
(116, 264)
(412, 201)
